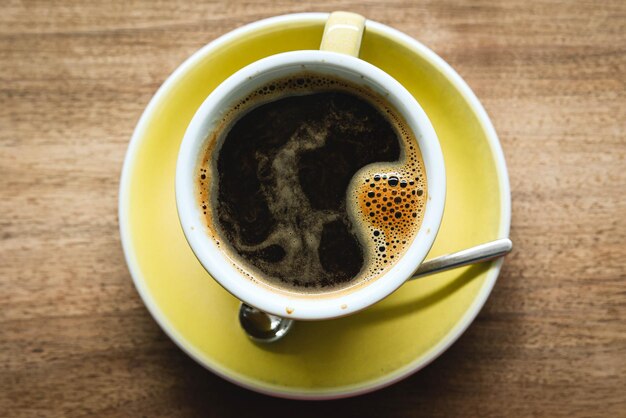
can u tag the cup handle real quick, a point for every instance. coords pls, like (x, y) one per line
(343, 33)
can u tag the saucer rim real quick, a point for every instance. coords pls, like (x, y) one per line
(300, 393)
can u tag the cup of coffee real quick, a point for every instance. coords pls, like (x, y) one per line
(311, 184)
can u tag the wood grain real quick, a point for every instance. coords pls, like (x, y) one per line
(75, 340)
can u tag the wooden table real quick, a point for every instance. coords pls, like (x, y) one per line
(75, 339)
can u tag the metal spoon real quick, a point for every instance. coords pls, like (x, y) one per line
(267, 328)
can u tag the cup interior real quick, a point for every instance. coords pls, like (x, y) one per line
(207, 120)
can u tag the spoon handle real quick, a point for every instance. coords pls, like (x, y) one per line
(477, 254)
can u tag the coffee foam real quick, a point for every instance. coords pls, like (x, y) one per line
(385, 201)
(299, 257)
(389, 204)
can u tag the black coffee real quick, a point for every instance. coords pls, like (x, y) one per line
(312, 185)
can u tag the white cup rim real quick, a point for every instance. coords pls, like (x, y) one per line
(305, 307)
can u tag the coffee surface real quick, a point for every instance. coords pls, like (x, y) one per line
(313, 185)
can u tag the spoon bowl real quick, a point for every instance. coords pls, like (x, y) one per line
(263, 327)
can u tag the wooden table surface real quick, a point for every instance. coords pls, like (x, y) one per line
(75, 339)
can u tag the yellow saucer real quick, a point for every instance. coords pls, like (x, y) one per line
(327, 359)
